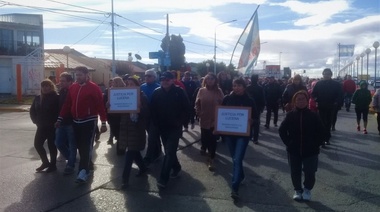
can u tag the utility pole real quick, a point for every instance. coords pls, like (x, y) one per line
(113, 42)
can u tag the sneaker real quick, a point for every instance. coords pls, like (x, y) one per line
(82, 176)
(358, 128)
(174, 174)
(192, 126)
(68, 170)
(365, 131)
(306, 195)
(266, 126)
(297, 195)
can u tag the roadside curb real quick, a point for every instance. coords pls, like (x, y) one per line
(15, 109)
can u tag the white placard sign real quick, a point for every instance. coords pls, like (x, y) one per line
(232, 120)
(124, 100)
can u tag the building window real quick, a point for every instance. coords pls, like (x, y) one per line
(27, 41)
(6, 41)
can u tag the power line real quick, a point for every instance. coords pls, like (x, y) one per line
(91, 32)
(86, 8)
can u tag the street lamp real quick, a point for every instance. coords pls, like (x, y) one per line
(215, 41)
(361, 71)
(357, 68)
(367, 51)
(208, 66)
(375, 45)
(67, 50)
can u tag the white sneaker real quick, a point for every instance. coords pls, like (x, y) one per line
(297, 195)
(82, 176)
(306, 195)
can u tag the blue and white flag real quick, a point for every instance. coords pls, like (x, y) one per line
(346, 50)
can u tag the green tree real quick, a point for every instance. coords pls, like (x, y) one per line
(123, 67)
(174, 44)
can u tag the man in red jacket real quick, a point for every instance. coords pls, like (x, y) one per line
(84, 103)
(349, 87)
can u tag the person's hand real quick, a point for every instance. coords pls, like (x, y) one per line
(57, 124)
(103, 129)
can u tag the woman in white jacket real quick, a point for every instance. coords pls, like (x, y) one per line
(376, 107)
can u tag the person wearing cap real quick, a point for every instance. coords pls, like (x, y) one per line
(328, 95)
(84, 103)
(153, 151)
(170, 107)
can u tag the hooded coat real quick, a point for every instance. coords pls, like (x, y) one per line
(302, 132)
(362, 97)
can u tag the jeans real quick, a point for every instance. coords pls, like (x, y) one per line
(170, 140)
(65, 142)
(154, 145)
(43, 134)
(208, 140)
(308, 165)
(84, 136)
(237, 146)
(347, 100)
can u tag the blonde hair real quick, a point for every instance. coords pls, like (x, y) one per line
(49, 83)
(118, 82)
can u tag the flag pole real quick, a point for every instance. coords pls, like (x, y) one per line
(233, 52)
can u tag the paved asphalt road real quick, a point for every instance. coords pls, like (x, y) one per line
(348, 178)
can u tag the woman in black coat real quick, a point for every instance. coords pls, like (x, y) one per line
(44, 113)
(302, 133)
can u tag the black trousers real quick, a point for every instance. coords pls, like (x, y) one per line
(130, 156)
(43, 134)
(270, 109)
(256, 128)
(208, 140)
(308, 165)
(84, 136)
(326, 115)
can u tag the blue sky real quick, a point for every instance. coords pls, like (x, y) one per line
(302, 35)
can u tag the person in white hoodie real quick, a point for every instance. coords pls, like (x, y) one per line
(376, 107)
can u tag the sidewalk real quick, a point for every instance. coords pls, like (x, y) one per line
(14, 108)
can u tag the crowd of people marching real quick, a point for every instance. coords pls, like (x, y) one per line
(68, 119)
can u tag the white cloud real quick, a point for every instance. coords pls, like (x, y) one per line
(316, 12)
